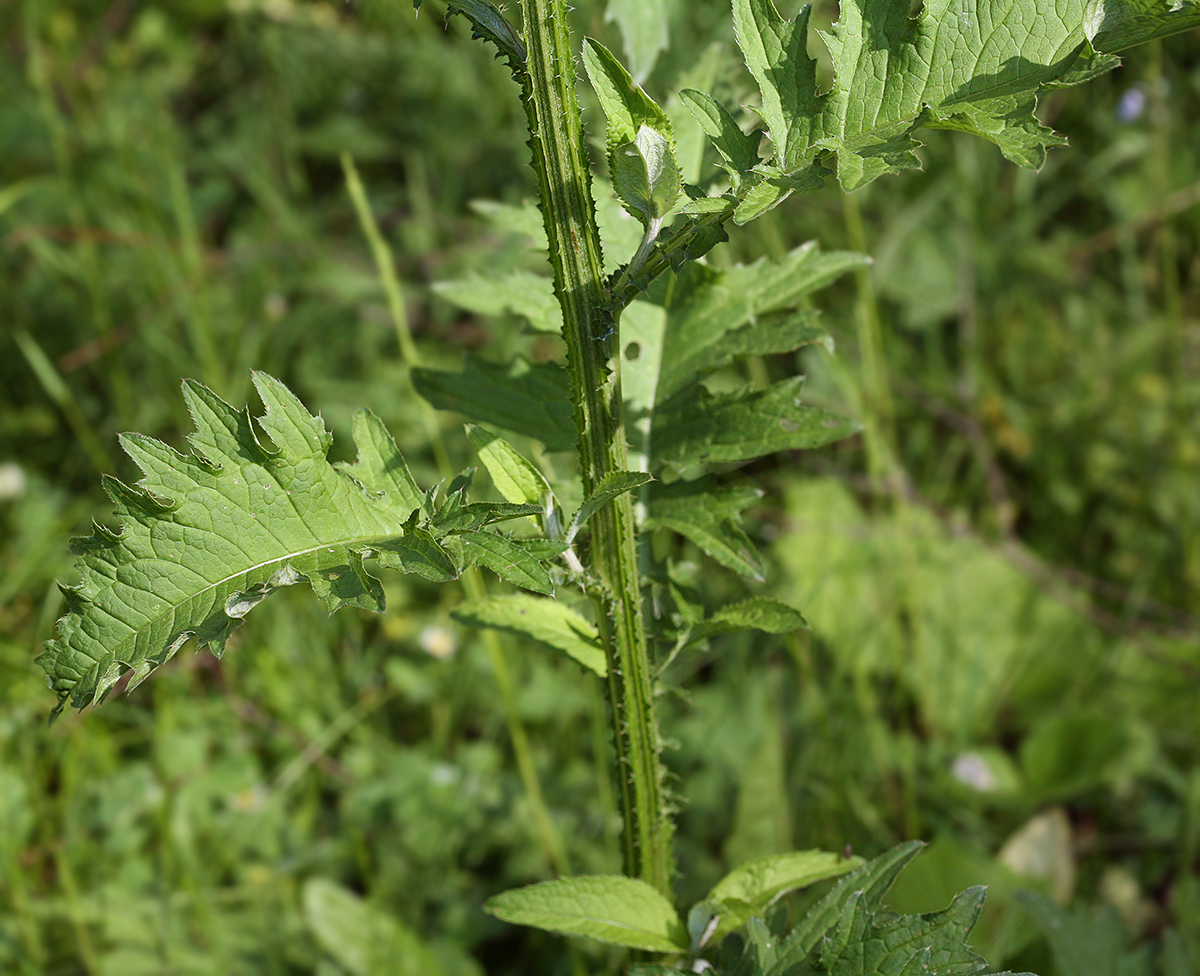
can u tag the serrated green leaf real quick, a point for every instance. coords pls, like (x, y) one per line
(756, 613)
(760, 193)
(380, 467)
(639, 140)
(609, 908)
(458, 517)
(626, 107)
(707, 205)
(972, 65)
(548, 621)
(708, 515)
(775, 54)
(519, 293)
(644, 30)
(526, 398)
(740, 151)
(507, 558)
(753, 887)
(513, 474)
(870, 883)
(720, 316)
(614, 483)
(697, 428)
(205, 537)
(489, 24)
(417, 552)
(1113, 25)
(867, 942)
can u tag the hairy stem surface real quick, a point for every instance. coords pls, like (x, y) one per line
(590, 331)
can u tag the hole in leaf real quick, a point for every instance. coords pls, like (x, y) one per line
(632, 351)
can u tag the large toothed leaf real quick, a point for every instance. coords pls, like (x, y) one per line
(697, 428)
(204, 537)
(715, 318)
(973, 65)
(870, 883)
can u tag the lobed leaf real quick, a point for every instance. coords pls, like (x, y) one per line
(204, 537)
(869, 883)
(972, 65)
(697, 428)
(867, 942)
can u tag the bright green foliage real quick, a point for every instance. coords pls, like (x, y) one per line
(639, 142)
(547, 621)
(1113, 25)
(204, 537)
(751, 888)
(514, 475)
(623, 911)
(975, 66)
(848, 934)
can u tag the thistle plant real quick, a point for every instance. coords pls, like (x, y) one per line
(256, 504)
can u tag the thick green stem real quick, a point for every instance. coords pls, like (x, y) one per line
(590, 331)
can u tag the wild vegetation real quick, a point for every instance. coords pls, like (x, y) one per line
(999, 571)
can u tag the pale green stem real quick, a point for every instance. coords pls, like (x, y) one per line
(589, 329)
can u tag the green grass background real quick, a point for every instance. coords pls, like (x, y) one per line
(1002, 574)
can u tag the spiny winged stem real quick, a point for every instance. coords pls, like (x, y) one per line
(590, 331)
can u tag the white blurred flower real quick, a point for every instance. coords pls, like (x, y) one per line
(438, 642)
(12, 481)
(972, 769)
(1132, 105)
